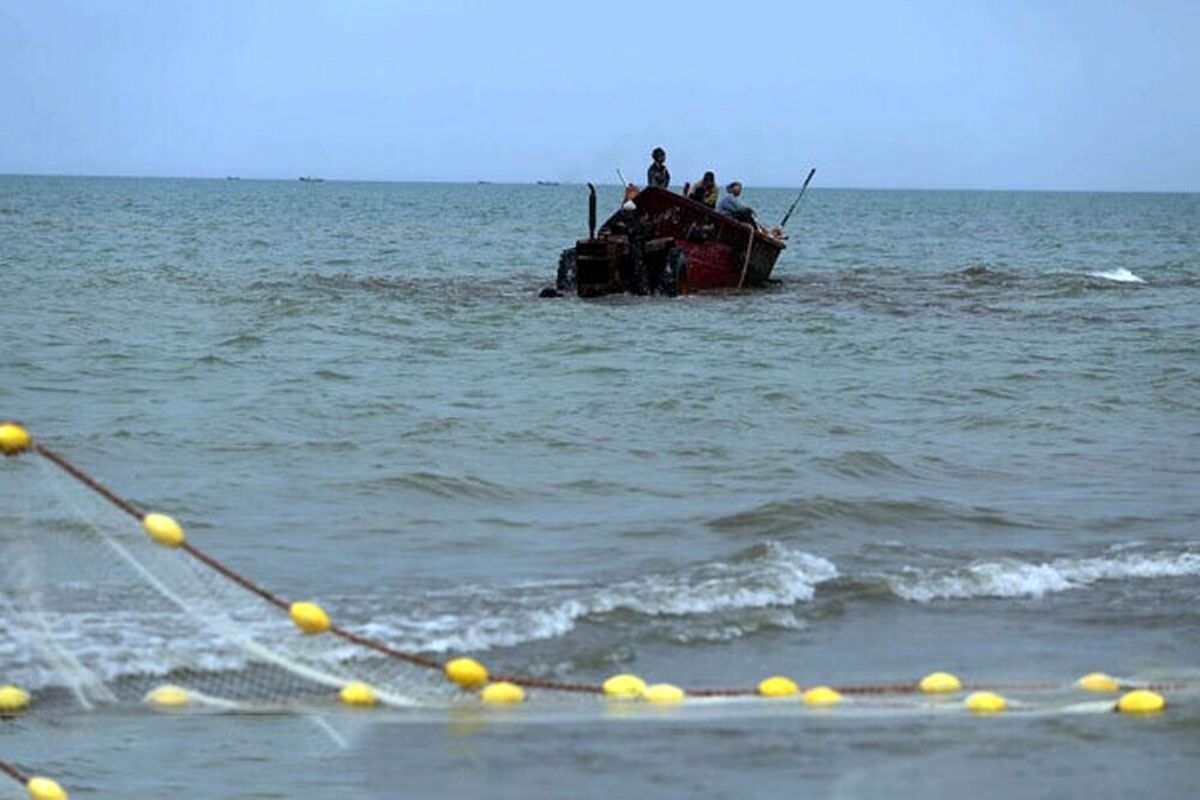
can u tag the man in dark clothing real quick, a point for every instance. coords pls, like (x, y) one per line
(705, 191)
(658, 175)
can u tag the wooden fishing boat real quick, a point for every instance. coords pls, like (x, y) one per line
(666, 244)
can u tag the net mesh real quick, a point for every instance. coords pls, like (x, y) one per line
(95, 609)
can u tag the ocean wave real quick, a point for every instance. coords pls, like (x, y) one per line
(1010, 578)
(438, 485)
(982, 275)
(711, 601)
(863, 464)
(785, 516)
(1119, 275)
(108, 646)
(762, 577)
(722, 600)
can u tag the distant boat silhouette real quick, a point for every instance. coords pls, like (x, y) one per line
(547, 183)
(311, 179)
(232, 178)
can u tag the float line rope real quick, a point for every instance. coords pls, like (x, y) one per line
(14, 773)
(38, 787)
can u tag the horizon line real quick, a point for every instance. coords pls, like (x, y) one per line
(545, 182)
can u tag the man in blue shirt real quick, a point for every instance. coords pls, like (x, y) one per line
(731, 206)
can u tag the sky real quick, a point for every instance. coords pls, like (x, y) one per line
(939, 94)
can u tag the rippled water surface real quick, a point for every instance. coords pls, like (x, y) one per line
(962, 432)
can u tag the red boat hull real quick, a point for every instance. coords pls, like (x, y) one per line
(669, 245)
(717, 261)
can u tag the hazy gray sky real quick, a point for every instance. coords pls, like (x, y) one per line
(1054, 94)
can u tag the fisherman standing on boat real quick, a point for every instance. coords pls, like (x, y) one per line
(731, 206)
(658, 175)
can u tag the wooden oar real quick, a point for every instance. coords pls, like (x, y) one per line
(796, 202)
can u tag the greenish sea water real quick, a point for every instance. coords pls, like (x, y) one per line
(962, 432)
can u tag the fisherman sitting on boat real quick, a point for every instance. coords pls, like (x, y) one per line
(731, 206)
(658, 175)
(705, 191)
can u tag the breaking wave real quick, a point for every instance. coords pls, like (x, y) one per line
(1010, 578)
(1120, 275)
(761, 577)
(714, 600)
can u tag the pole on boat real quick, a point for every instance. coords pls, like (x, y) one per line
(624, 186)
(591, 211)
(783, 223)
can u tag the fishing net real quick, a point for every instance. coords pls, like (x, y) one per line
(96, 610)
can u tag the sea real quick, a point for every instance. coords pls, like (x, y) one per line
(960, 431)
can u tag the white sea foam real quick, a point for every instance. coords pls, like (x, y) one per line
(1120, 275)
(774, 577)
(1011, 578)
(119, 642)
